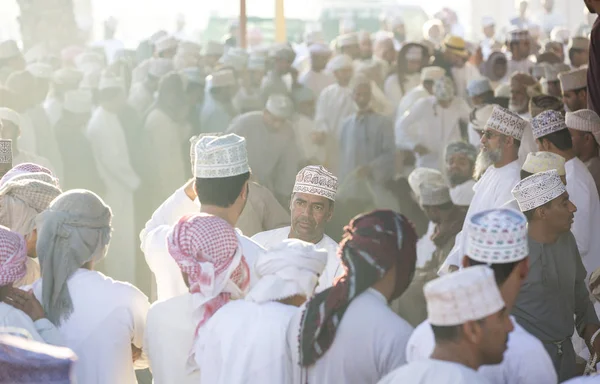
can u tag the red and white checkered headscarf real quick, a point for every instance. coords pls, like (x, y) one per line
(13, 256)
(206, 248)
(24, 168)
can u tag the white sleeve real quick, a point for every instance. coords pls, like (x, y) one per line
(48, 332)
(583, 225)
(402, 130)
(139, 312)
(530, 365)
(454, 257)
(392, 90)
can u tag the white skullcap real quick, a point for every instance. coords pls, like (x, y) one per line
(547, 122)
(290, 268)
(316, 180)
(10, 115)
(414, 53)
(214, 48)
(108, 82)
(158, 67)
(78, 101)
(166, 43)
(470, 294)
(432, 73)
(319, 49)
(487, 21)
(280, 106)
(220, 156)
(506, 122)
(396, 21)
(479, 87)
(497, 236)
(573, 80)
(347, 40)
(338, 62)
(537, 162)
(9, 49)
(40, 70)
(421, 175)
(560, 34)
(221, 78)
(503, 90)
(584, 120)
(538, 189)
(518, 35)
(433, 193)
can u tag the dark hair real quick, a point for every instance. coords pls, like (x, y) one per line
(221, 192)
(525, 174)
(578, 91)
(561, 139)
(501, 271)
(529, 214)
(446, 333)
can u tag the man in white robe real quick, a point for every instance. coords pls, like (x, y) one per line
(221, 176)
(318, 77)
(107, 138)
(552, 135)
(573, 85)
(311, 208)
(251, 333)
(141, 95)
(199, 245)
(334, 104)
(407, 72)
(218, 110)
(432, 123)
(525, 360)
(456, 312)
(428, 76)
(522, 88)
(460, 163)
(499, 157)
(519, 45)
(348, 333)
(63, 80)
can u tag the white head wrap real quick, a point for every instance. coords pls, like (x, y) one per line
(290, 268)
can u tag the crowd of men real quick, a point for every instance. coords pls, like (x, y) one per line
(367, 210)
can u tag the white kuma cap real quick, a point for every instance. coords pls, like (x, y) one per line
(537, 190)
(220, 156)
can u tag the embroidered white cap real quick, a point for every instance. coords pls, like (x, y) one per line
(497, 236)
(537, 162)
(478, 87)
(506, 122)
(220, 156)
(433, 194)
(467, 295)
(316, 180)
(584, 120)
(573, 80)
(547, 122)
(538, 189)
(421, 175)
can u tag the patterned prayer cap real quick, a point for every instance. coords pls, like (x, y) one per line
(467, 295)
(584, 120)
(479, 87)
(538, 189)
(497, 236)
(506, 122)
(280, 106)
(573, 80)
(443, 89)
(316, 180)
(461, 147)
(421, 175)
(6, 151)
(433, 194)
(546, 123)
(13, 255)
(28, 361)
(220, 156)
(518, 35)
(537, 162)
(283, 51)
(23, 168)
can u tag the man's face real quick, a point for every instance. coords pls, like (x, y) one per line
(310, 213)
(343, 76)
(413, 66)
(362, 96)
(273, 121)
(560, 213)
(492, 145)
(459, 168)
(554, 89)
(592, 5)
(494, 337)
(580, 57)
(524, 48)
(489, 31)
(432, 213)
(366, 48)
(457, 61)
(575, 101)
(387, 51)
(282, 66)
(319, 62)
(519, 100)
(400, 33)
(579, 140)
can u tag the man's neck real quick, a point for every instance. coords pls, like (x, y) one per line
(588, 155)
(504, 162)
(455, 353)
(317, 239)
(224, 213)
(567, 155)
(539, 232)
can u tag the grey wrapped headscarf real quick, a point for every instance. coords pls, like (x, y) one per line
(74, 230)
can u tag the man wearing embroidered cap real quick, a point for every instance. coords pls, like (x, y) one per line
(166, 47)
(555, 288)
(428, 76)
(574, 88)
(273, 83)
(431, 123)
(498, 238)
(317, 78)
(311, 208)
(480, 92)
(579, 51)
(470, 323)
(271, 128)
(288, 274)
(552, 135)
(142, 93)
(519, 44)
(500, 145)
(221, 174)
(111, 153)
(584, 127)
(218, 110)
(460, 163)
